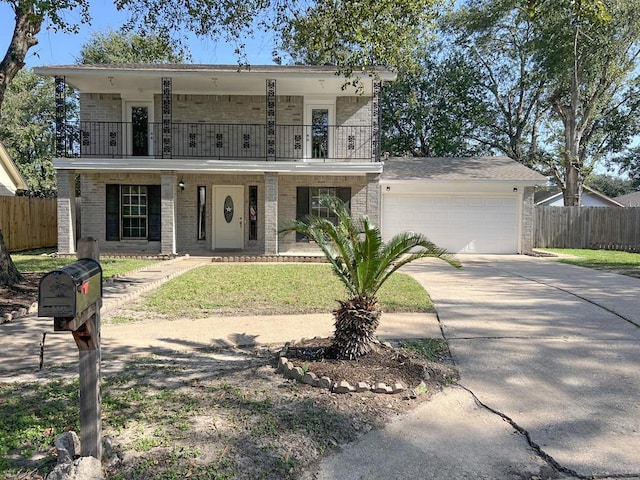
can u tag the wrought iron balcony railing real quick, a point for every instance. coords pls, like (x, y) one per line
(226, 141)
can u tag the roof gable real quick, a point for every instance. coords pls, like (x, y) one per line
(460, 169)
(590, 198)
(10, 177)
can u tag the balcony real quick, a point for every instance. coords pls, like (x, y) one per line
(227, 141)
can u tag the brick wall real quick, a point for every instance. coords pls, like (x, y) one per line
(100, 107)
(93, 190)
(352, 141)
(287, 203)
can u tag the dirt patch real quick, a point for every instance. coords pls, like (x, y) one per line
(21, 295)
(225, 414)
(384, 364)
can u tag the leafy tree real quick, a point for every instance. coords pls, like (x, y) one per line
(28, 131)
(119, 47)
(578, 62)
(363, 262)
(589, 51)
(610, 185)
(356, 34)
(629, 163)
(434, 109)
(500, 43)
(29, 16)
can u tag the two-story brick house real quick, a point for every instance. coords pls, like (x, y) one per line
(201, 158)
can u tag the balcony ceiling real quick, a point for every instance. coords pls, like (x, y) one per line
(209, 79)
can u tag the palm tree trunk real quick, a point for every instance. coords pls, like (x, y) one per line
(355, 327)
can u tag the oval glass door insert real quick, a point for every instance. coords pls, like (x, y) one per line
(228, 209)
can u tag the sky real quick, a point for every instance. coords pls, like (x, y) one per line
(63, 49)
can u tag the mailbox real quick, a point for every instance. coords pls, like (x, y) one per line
(71, 292)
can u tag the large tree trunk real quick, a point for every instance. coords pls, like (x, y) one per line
(28, 24)
(572, 162)
(572, 134)
(9, 274)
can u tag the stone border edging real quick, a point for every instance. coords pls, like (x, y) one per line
(289, 370)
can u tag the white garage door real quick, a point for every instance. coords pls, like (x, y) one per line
(461, 224)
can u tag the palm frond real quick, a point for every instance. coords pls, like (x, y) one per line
(356, 251)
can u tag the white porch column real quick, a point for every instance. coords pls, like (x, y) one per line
(66, 211)
(168, 186)
(271, 213)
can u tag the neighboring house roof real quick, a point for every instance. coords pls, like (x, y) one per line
(10, 177)
(630, 199)
(552, 197)
(475, 169)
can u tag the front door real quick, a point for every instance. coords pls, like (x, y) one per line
(139, 122)
(319, 142)
(228, 208)
(139, 131)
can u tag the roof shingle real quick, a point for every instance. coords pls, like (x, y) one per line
(473, 169)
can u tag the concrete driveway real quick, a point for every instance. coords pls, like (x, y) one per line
(553, 348)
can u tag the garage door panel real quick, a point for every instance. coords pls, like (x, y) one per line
(463, 224)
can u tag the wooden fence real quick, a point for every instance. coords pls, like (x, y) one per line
(611, 228)
(28, 222)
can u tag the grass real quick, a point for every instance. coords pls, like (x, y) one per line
(159, 424)
(598, 259)
(272, 289)
(33, 414)
(427, 348)
(40, 261)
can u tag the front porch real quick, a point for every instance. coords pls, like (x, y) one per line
(204, 212)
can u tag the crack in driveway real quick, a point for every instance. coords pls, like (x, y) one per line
(537, 448)
(522, 431)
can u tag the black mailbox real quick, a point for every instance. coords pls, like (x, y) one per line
(70, 292)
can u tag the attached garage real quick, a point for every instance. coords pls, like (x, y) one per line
(466, 205)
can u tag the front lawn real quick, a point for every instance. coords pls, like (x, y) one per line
(41, 261)
(258, 289)
(599, 259)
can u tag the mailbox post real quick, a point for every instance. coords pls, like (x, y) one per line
(73, 297)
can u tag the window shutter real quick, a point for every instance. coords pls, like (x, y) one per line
(113, 212)
(344, 194)
(302, 209)
(154, 196)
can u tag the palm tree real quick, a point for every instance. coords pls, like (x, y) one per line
(363, 262)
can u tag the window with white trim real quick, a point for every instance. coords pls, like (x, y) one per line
(134, 211)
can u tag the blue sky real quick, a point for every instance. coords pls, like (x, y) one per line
(62, 49)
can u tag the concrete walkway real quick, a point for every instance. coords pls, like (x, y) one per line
(549, 357)
(21, 349)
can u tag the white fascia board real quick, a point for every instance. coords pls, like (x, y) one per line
(70, 70)
(398, 187)
(219, 166)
